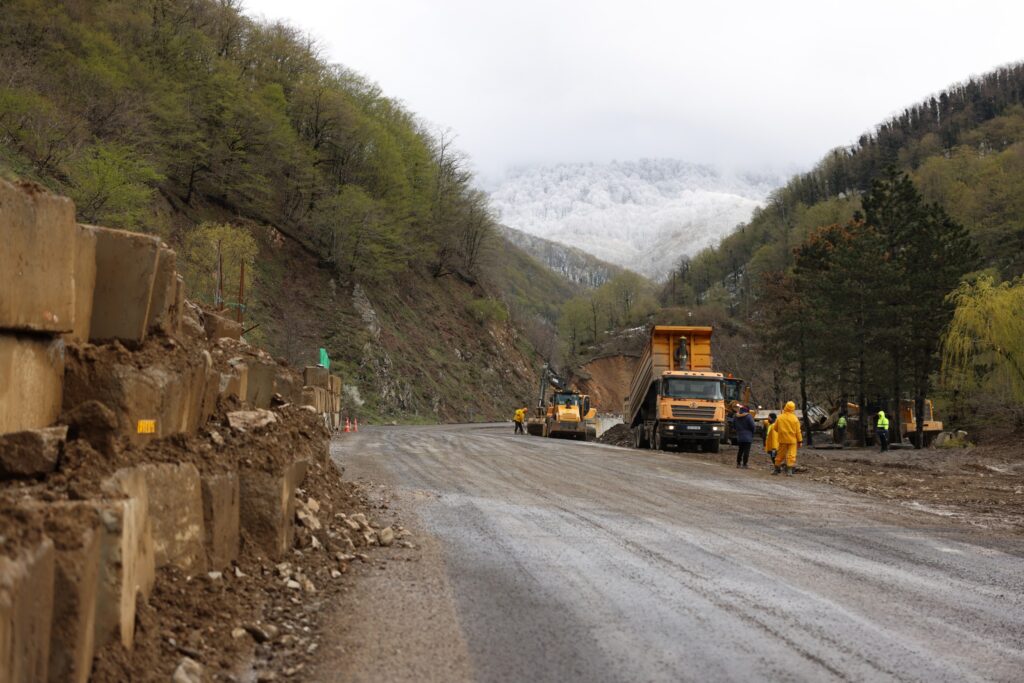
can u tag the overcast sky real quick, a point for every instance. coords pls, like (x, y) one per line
(737, 83)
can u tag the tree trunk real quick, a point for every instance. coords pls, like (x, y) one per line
(894, 423)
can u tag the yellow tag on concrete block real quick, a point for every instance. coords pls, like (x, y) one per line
(147, 427)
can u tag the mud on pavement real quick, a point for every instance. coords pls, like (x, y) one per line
(978, 485)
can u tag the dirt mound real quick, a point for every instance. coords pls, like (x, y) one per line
(619, 435)
(606, 380)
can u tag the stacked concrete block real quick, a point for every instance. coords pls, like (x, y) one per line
(162, 304)
(221, 518)
(85, 282)
(37, 303)
(126, 269)
(267, 508)
(26, 612)
(176, 397)
(176, 516)
(260, 386)
(76, 586)
(219, 326)
(37, 262)
(128, 563)
(322, 392)
(31, 381)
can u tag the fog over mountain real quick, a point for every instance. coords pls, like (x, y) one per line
(643, 215)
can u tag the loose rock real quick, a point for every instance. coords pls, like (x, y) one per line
(189, 671)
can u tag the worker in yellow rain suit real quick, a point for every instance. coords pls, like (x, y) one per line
(787, 428)
(520, 415)
(771, 438)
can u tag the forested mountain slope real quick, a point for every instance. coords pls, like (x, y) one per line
(892, 269)
(359, 228)
(964, 149)
(572, 263)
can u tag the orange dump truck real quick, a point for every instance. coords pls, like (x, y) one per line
(675, 399)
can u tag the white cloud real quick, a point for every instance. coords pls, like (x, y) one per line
(742, 83)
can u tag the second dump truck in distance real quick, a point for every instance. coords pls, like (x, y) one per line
(675, 399)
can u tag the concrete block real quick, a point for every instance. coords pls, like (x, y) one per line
(31, 453)
(173, 395)
(126, 267)
(37, 261)
(297, 473)
(85, 283)
(308, 397)
(176, 515)
(260, 384)
(221, 518)
(219, 326)
(266, 509)
(211, 392)
(315, 376)
(162, 302)
(78, 537)
(31, 381)
(177, 312)
(288, 384)
(127, 563)
(235, 382)
(26, 613)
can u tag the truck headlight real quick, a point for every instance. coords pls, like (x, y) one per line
(670, 427)
(716, 428)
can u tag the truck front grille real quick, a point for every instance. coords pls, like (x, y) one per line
(699, 413)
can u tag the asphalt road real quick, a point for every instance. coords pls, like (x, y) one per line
(563, 561)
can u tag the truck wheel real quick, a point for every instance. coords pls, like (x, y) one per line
(711, 446)
(638, 439)
(658, 444)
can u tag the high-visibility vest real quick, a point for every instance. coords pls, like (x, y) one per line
(883, 422)
(842, 423)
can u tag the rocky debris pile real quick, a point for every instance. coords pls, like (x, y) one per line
(619, 435)
(150, 461)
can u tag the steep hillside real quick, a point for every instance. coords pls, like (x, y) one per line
(963, 148)
(572, 263)
(643, 215)
(890, 270)
(357, 229)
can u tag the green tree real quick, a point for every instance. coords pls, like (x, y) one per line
(214, 253)
(984, 343)
(113, 186)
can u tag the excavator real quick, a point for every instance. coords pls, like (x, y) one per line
(565, 414)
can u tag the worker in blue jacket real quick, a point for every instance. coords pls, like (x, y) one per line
(744, 435)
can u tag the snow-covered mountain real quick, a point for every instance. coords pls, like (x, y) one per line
(643, 215)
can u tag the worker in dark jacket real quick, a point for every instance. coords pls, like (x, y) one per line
(744, 436)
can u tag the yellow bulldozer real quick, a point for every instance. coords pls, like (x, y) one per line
(565, 413)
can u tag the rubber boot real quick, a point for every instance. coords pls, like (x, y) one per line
(777, 470)
(789, 471)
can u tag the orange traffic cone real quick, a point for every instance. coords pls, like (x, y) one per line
(348, 427)
(355, 428)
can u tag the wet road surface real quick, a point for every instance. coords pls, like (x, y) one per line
(563, 561)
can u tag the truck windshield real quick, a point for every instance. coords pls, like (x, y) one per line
(704, 389)
(567, 399)
(732, 389)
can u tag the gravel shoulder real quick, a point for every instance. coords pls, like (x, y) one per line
(399, 621)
